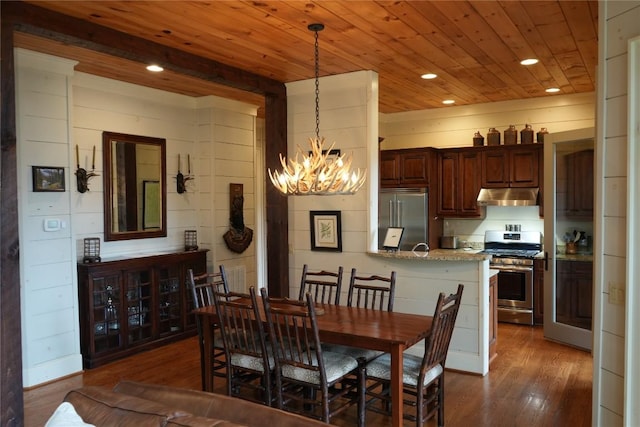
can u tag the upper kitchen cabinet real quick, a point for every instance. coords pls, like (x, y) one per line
(579, 194)
(511, 166)
(405, 168)
(459, 183)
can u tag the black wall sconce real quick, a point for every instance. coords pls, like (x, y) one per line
(82, 176)
(181, 179)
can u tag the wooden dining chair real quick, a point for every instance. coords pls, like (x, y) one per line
(305, 375)
(423, 378)
(249, 363)
(373, 292)
(324, 286)
(203, 286)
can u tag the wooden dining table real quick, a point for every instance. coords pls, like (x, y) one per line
(391, 332)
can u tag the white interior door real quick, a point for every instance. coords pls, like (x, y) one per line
(568, 231)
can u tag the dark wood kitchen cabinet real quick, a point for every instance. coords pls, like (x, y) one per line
(511, 166)
(459, 183)
(135, 304)
(580, 188)
(405, 168)
(574, 293)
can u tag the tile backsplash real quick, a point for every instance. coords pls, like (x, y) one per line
(472, 231)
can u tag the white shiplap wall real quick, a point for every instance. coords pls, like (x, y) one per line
(108, 105)
(57, 109)
(348, 116)
(227, 141)
(48, 291)
(616, 387)
(454, 126)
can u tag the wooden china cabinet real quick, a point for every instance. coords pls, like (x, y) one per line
(134, 304)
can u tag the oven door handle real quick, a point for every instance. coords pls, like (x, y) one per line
(512, 268)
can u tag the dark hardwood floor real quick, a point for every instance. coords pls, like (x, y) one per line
(532, 382)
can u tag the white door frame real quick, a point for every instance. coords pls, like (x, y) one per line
(553, 330)
(631, 414)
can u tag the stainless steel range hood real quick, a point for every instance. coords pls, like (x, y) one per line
(508, 197)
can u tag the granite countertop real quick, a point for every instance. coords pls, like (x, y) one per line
(435, 255)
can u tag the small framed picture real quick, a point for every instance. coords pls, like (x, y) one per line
(326, 231)
(392, 238)
(47, 178)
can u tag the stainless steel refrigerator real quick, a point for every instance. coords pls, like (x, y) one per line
(406, 208)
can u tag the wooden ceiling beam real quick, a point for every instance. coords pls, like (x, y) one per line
(66, 29)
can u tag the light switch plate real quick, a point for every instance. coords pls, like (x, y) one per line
(52, 224)
(616, 293)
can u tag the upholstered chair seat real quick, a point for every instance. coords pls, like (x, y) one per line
(381, 369)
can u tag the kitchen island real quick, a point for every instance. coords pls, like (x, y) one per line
(422, 276)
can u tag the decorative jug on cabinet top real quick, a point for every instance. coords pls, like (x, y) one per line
(526, 135)
(541, 134)
(493, 137)
(510, 135)
(478, 140)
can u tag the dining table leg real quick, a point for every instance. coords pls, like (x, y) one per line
(396, 386)
(207, 335)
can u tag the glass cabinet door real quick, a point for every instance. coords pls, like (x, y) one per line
(170, 299)
(107, 309)
(139, 306)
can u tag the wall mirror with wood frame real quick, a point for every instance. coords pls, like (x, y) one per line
(134, 186)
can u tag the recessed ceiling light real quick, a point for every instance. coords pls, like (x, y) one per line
(529, 61)
(448, 101)
(155, 68)
(552, 90)
(429, 76)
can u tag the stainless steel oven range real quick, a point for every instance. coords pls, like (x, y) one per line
(512, 254)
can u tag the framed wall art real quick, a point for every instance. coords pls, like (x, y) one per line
(151, 205)
(47, 178)
(326, 231)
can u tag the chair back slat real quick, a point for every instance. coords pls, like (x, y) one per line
(204, 285)
(374, 292)
(324, 286)
(444, 319)
(294, 333)
(240, 323)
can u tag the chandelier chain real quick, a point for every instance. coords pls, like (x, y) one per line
(317, 73)
(320, 171)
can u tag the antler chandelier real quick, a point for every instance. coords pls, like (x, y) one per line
(320, 172)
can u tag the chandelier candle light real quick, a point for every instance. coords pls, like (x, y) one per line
(320, 172)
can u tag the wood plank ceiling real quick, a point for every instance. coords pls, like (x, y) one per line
(473, 46)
